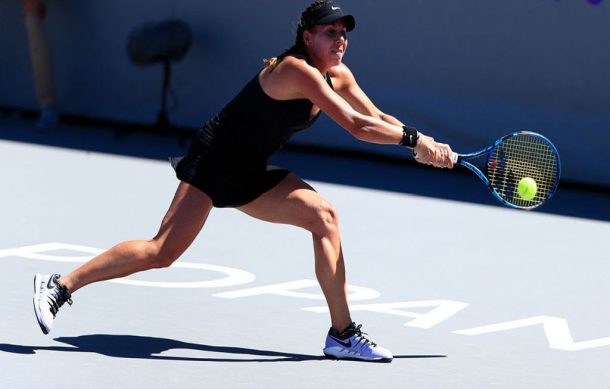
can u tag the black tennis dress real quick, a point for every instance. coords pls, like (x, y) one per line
(228, 157)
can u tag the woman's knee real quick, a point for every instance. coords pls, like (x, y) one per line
(324, 220)
(159, 255)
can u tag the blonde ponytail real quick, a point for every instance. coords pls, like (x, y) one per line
(271, 63)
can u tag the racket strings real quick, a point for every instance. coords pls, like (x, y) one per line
(520, 156)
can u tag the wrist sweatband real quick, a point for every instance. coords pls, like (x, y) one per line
(410, 135)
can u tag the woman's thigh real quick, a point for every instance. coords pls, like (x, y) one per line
(184, 219)
(293, 202)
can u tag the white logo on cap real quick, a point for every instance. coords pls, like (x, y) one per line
(334, 8)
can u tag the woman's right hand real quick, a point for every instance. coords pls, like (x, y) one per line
(430, 152)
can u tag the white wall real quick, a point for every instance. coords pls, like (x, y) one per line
(465, 71)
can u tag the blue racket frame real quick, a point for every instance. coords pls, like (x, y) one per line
(461, 159)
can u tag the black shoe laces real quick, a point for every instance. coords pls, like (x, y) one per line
(360, 335)
(59, 296)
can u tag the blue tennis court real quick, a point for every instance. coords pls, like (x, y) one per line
(465, 294)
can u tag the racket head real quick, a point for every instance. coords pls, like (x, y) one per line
(520, 155)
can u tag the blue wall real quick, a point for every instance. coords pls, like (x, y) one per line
(464, 71)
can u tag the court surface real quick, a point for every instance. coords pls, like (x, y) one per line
(465, 294)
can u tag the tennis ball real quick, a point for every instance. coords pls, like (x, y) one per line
(527, 188)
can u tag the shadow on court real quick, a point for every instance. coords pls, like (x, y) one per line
(143, 347)
(333, 166)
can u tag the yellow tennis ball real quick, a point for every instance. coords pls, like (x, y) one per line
(527, 188)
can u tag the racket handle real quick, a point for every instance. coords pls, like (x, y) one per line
(455, 157)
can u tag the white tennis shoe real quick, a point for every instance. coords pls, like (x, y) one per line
(353, 345)
(49, 296)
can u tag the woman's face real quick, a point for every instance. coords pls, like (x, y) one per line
(327, 43)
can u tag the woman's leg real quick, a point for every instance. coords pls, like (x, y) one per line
(183, 221)
(294, 202)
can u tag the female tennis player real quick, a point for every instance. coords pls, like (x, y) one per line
(226, 166)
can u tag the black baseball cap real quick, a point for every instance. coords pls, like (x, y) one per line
(328, 14)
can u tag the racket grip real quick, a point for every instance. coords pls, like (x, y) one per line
(455, 157)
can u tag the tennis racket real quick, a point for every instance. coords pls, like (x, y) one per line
(514, 157)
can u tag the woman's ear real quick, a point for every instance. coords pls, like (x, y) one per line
(307, 35)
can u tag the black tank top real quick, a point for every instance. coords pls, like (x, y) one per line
(252, 126)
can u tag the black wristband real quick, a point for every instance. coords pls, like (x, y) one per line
(410, 135)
